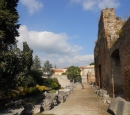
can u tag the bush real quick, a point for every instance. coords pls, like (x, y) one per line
(29, 90)
(41, 88)
(64, 74)
(53, 83)
(30, 82)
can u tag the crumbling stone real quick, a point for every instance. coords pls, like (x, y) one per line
(47, 104)
(112, 54)
(119, 106)
(28, 109)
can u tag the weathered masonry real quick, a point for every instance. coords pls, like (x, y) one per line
(112, 54)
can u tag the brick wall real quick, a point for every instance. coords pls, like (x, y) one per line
(112, 54)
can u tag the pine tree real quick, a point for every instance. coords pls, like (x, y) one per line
(47, 69)
(8, 23)
(36, 63)
(8, 31)
(27, 57)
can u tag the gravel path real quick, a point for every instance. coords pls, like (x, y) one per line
(81, 102)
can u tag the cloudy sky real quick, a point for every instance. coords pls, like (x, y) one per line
(64, 31)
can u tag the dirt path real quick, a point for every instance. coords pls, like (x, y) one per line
(81, 102)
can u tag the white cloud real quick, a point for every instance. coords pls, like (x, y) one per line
(47, 42)
(32, 5)
(66, 61)
(97, 4)
(53, 47)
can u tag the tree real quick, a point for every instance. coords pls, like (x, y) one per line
(91, 63)
(27, 56)
(8, 23)
(36, 63)
(8, 31)
(47, 68)
(73, 73)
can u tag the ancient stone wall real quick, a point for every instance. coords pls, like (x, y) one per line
(125, 58)
(111, 53)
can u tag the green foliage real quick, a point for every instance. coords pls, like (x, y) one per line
(53, 83)
(47, 69)
(27, 56)
(9, 60)
(27, 90)
(64, 73)
(41, 88)
(21, 91)
(8, 23)
(36, 63)
(37, 76)
(91, 63)
(73, 73)
(29, 81)
(14, 68)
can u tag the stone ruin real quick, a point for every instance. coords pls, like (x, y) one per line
(53, 99)
(44, 103)
(117, 106)
(112, 55)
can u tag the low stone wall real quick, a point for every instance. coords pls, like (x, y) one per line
(62, 79)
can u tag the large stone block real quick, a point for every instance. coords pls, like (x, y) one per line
(106, 98)
(61, 98)
(47, 104)
(102, 92)
(119, 106)
(52, 96)
(28, 109)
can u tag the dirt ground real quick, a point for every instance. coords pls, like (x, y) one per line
(81, 102)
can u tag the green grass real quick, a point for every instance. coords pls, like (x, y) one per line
(52, 91)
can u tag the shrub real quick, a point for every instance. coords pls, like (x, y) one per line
(29, 90)
(41, 88)
(53, 83)
(22, 91)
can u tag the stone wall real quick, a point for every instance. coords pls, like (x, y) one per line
(111, 54)
(63, 80)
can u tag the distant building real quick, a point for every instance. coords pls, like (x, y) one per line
(87, 73)
(57, 71)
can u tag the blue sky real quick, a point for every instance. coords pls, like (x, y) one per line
(64, 31)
